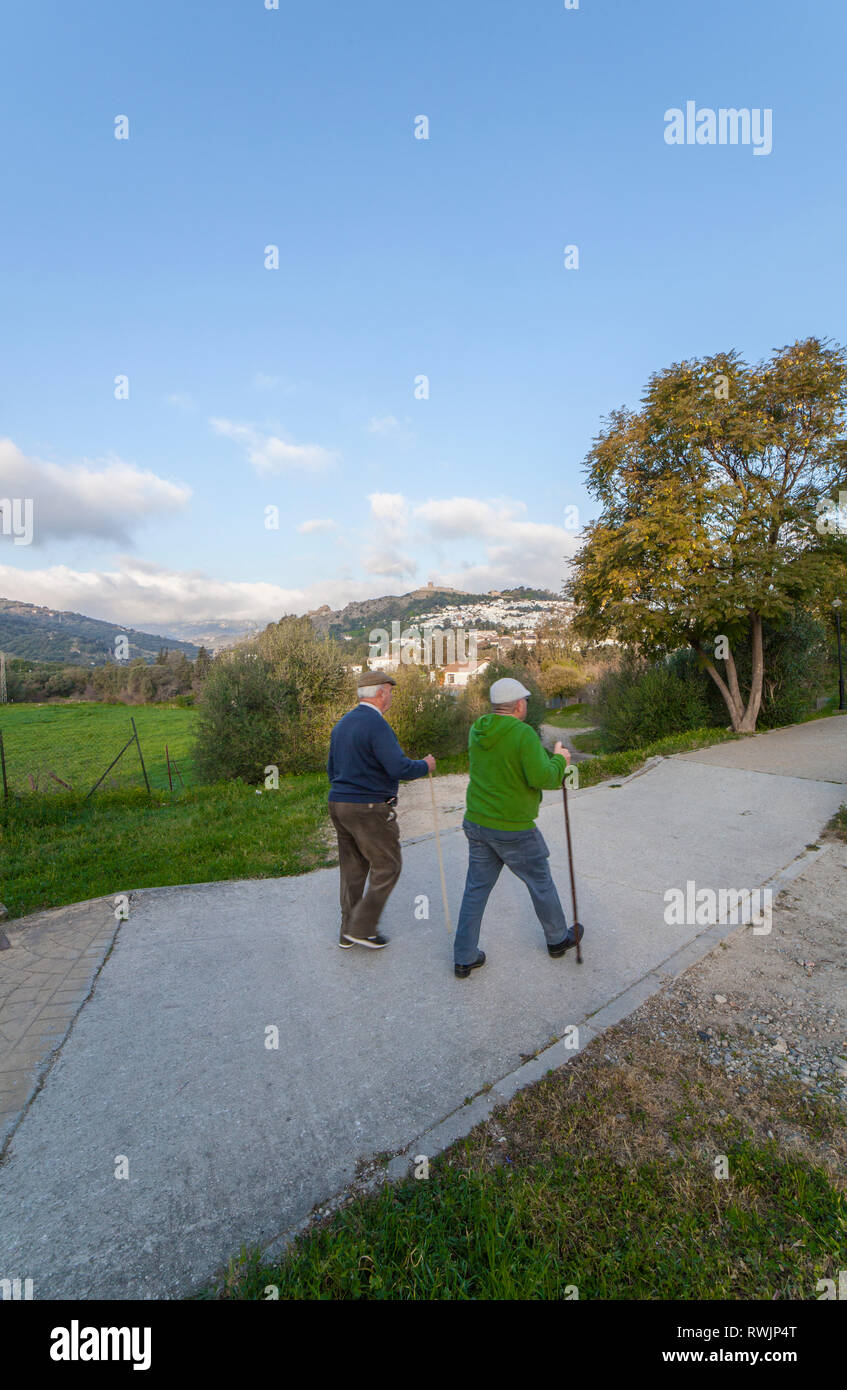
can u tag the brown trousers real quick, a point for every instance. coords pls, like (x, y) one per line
(368, 843)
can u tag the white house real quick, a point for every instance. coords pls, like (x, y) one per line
(459, 672)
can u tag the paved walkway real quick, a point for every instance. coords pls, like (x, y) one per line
(549, 733)
(167, 1073)
(45, 977)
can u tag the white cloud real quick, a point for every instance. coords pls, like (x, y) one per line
(388, 561)
(473, 543)
(389, 510)
(511, 549)
(180, 399)
(478, 544)
(153, 597)
(142, 594)
(106, 500)
(504, 567)
(468, 516)
(270, 454)
(386, 425)
(263, 381)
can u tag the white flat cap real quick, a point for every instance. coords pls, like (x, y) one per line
(504, 691)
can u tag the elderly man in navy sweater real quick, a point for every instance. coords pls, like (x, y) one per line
(366, 764)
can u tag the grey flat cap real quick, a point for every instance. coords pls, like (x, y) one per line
(369, 678)
(504, 691)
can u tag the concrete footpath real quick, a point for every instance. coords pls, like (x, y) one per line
(165, 1071)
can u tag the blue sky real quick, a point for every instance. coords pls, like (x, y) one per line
(399, 257)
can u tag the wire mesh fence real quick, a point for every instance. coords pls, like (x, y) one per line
(83, 748)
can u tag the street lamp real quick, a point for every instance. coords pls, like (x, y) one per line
(836, 603)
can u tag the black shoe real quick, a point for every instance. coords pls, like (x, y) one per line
(463, 971)
(570, 940)
(375, 943)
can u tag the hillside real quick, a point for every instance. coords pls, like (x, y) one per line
(43, 634)
(356, 619)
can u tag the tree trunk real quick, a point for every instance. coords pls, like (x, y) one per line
(751, 714)
(743, 717)
(732, 682)
(735, 706)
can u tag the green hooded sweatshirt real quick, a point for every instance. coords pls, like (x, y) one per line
(509, 769)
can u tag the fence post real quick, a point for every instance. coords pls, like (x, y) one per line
(3, 764)
(109, 768)
(141, 755)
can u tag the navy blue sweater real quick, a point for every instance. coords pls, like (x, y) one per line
(366, 761)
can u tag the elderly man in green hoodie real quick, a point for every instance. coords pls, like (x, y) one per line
(509, 769)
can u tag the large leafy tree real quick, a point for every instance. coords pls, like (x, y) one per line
(714, 515)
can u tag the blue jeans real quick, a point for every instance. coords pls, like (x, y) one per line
(527, 855)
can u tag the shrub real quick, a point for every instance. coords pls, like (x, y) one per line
(312, 686)
(425, 717)
(272, 700)
(239, 720)
(638, 703)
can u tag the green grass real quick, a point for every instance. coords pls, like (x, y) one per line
(59, 849)
(829, 709)
(457, 762)
(594, 742)
(571, 717)
(838, 825)
(607, 765)
(77, 742)
(656, 1230)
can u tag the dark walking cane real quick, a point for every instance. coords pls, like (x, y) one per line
(576, 922)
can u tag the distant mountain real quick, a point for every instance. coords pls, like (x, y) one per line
(357, 619)
(44, 634)
(216, 633)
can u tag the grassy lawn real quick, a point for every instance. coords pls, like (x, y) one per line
(77, 742)
(594, 742)
(601, 1176)
(571, 717)
(59, 849)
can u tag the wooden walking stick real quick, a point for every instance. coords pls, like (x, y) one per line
(576, 923)
(447, 922)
